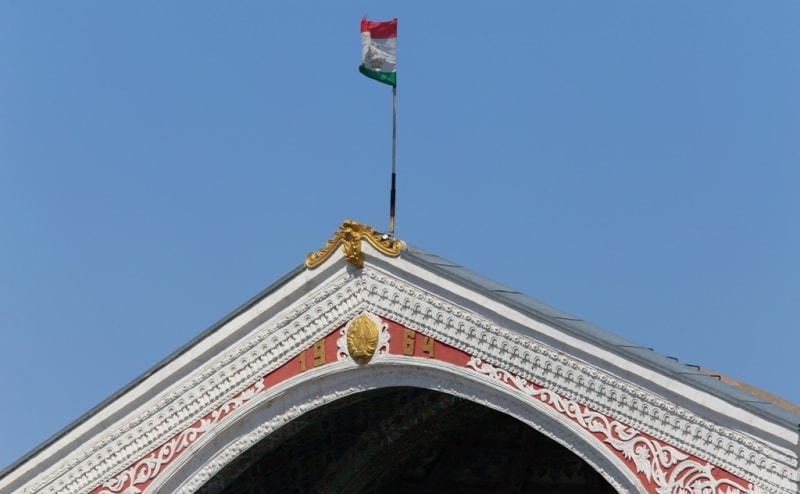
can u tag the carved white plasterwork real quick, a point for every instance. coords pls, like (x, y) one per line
(344, 378)
(669, 469)
(739, 454)
(273, 342)
(150, 467)
(268, 346)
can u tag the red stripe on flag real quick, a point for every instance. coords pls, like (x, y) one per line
(380, 30)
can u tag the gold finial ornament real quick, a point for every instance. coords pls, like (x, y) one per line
(349, 236)
(362, 339)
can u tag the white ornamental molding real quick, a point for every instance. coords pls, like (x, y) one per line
(269, 345)
(149, 467)
(668, 469)
(343, 378)
(272, 342)
(580, 382)
(244, 443)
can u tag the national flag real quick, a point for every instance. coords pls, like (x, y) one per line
(379, 50)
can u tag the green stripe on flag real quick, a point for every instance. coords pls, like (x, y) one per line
(389, 78)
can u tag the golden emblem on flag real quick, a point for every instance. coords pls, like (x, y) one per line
(376, 63)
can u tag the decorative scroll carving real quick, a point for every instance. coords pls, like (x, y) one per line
(349, 236)
(229, 373)
(149, 467)
(343, 297)
(668, 469)
(768, 467)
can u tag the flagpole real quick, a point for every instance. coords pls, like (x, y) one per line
(394, 154)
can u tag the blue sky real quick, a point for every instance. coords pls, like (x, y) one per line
(632, 163)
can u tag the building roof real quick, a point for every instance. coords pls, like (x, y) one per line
(756, 401)
(748, 397)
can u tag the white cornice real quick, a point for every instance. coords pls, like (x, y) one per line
(482, 304)
(314, 303)
(193, 383)
(425, 307)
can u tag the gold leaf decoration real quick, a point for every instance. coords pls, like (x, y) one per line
(349, 236)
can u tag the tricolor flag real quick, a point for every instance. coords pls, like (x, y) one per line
(379, 50)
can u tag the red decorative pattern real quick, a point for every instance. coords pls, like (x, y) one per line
(661, 468)
(135, 479)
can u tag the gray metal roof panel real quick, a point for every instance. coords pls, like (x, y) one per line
(576, 326)
(481, 282)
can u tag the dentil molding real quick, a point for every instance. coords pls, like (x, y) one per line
(347, 294)
(581, 382)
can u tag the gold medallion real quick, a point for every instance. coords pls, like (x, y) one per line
(362, 339)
